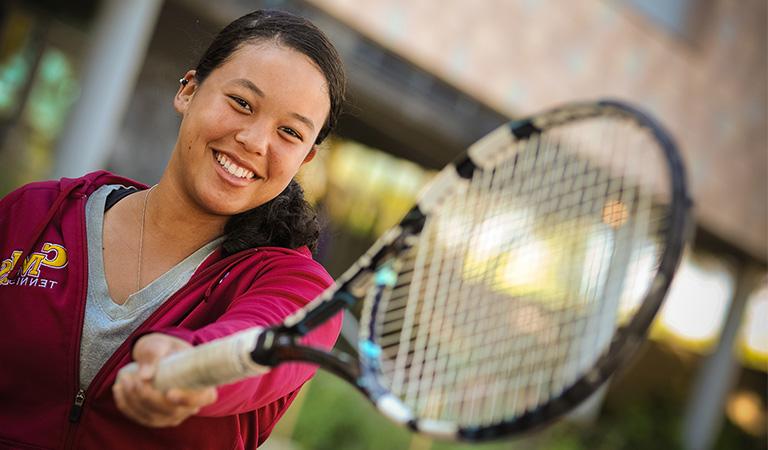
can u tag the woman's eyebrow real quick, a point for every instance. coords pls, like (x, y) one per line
(248, 84)
(304, 120)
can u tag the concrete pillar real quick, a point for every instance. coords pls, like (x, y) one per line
(719, 371)
(118, 46)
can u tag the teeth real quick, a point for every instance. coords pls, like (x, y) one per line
(233, 168)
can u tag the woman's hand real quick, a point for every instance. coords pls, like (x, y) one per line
(139, 400)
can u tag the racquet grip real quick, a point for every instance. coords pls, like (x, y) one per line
(214, 363)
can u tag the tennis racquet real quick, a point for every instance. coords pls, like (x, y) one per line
(527, 273)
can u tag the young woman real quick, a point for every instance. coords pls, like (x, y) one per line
(101, 270)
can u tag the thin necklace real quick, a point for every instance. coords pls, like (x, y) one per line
(141, 237)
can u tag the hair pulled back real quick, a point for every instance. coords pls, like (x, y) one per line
(287, 220)
(294, 32)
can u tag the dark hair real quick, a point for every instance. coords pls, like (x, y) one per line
(287, 220)
(286, 29)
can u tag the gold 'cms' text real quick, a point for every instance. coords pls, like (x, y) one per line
(51, 255)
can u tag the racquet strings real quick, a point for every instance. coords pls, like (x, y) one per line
(521, 278)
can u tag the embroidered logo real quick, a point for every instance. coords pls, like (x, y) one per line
(53, 256)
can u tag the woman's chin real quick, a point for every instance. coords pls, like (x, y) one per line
(225, 206)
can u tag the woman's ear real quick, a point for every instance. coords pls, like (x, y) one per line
(311, 154)
(187, 88)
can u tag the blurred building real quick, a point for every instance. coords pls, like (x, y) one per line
(88, 84)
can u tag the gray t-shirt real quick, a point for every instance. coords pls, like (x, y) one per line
(106, 323)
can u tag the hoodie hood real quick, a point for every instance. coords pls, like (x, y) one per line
(67, 188)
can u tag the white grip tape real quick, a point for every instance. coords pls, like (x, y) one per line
(215, 363)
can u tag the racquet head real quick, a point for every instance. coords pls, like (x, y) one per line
(526, 274)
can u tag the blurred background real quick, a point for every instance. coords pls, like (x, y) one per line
(88, 84)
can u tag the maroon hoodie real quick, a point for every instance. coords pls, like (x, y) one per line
(42, 302)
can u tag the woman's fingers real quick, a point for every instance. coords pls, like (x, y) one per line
(137, 398)
(192, 398)
(141, 402)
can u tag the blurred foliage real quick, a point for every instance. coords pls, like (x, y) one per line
(649, 423)
(38, 85)
(334, 416)
(29, 139)
(53, 93)
(369, 191)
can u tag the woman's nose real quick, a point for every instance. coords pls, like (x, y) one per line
(254, 138)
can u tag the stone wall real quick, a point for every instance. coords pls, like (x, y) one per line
(519, 56)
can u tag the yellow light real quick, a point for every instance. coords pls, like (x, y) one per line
(697, 302)
(615, 213)
(745, 409)
(527, 266)
(754, 333)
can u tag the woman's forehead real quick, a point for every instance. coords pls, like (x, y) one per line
(266, 60)
(253, 54)
(272, 71)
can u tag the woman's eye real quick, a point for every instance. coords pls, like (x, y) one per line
(240, 102)
(292, 132)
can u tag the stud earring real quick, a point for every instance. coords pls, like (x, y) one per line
(183, 81)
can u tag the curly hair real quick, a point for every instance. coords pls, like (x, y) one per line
(287, 220)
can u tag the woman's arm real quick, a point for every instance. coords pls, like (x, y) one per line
(287, 284)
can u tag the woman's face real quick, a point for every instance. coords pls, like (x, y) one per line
(247, 129)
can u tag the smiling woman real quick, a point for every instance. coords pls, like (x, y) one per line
(220, 244)
(247, 128)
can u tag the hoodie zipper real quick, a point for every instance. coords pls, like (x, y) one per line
(77, 407)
